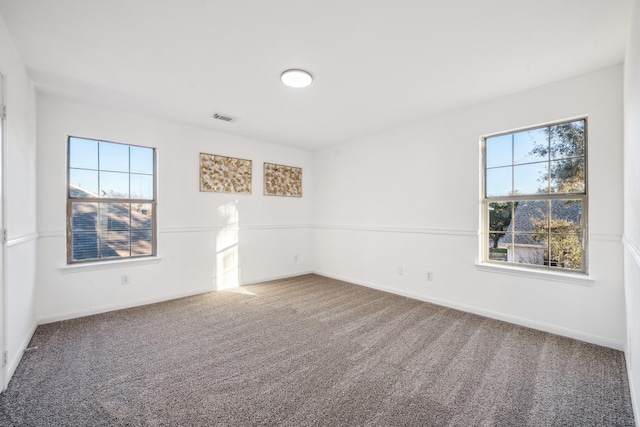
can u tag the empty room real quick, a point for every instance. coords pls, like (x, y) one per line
(328, 213)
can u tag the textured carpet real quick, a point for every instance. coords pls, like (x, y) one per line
(310, 351)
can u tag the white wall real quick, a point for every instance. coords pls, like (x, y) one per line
(632, 205)
(256, 235)
(21, 203)
(409, 198)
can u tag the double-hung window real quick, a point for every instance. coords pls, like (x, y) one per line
(111, 201)
(535, 197)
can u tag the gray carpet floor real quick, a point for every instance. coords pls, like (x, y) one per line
(310, 351)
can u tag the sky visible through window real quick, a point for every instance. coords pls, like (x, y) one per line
(515, 164)
(106, 169)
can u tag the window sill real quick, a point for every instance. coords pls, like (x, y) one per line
(575, 278)
(92, 266)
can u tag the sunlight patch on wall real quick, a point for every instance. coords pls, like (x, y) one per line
(227, 243)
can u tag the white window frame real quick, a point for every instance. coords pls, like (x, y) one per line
(582, 196)
(105, 200)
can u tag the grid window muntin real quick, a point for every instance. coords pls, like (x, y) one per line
(113, 225)
(559, 239)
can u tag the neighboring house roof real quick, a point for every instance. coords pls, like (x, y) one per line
(124, 226)
(80, 192)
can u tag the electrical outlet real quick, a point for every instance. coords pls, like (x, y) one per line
(400, 271)
(429, 276)
(124, 279)
(295, 257)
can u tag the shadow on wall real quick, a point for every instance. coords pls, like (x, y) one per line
(227, 267)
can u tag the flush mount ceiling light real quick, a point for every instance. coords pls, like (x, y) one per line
(296, 78)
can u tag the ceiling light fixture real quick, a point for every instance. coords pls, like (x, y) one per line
(296, 78)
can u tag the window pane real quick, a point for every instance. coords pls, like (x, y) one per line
(141, 160)
(498, 182)
(499, 221)
(142, 187)
(500, 215)
(567, 176)
(114, 244)
(83, 153)
(566, 216)
(531, 146)
(84, 216)
(566, 251)
(141, 242)
(114, 157)
(500, 253)
(141, 214)
(567, 140)
(114, 185)
(83, 183)
(114, 216)
(532, 216)
(85, 246)
(530, 249)
(498, 151)
(531, 179)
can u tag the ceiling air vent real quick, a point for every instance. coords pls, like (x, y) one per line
(221, 117)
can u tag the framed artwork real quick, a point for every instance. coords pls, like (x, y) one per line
(281, 180)
(222, 174)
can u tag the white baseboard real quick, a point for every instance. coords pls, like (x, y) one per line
(113, 307)
(545, 327)
(13, 364)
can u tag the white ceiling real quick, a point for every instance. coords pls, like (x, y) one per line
(376, 63)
